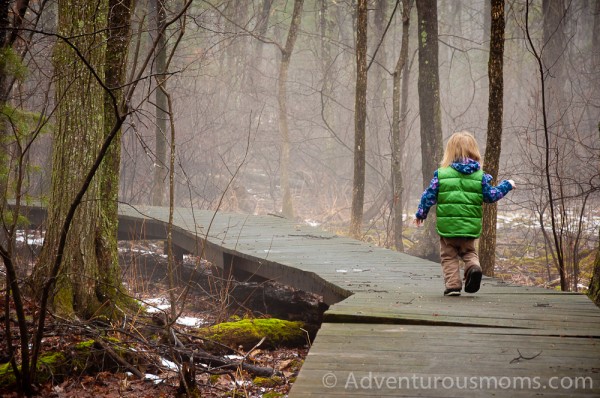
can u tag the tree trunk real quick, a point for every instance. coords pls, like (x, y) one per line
(287, 205)
(8, 61)
(119, 22)
(594, 290)
(160, 164)
(262, 26)
(88, 279)
(430, 112)
(399, 125)
(360, 119)
(557, 237)
(4, 90)
(487, 244)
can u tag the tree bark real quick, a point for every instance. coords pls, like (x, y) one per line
(430, 112)
(88, 279)
(119, 23)
(399, 125)
(487, 244)
(286, 54)
(360, 119)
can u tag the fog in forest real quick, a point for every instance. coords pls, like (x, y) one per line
(224, 89)
(223, 65)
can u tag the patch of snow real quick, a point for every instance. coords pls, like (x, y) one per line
(341, 271)
(312, 223)
(190, 321)
(168, 364)
(157, 304)
(233, 356)
(23, 237)
(156, 379)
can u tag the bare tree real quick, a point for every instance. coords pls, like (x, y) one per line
(360, 119)
(429, 108)
(286, 54)
(400, 91)
(557, 241)
(487, 244)
(158, 13)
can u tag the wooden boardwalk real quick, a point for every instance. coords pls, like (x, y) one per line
(389, 331)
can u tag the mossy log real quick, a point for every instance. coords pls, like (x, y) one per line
(248, 332)
(88, 356)
(50, 365)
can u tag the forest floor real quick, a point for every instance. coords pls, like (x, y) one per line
(521, 259)
(209, 300)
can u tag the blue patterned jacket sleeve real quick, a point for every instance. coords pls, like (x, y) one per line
(491, 193)
(429, 197)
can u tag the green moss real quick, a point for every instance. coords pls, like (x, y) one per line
(268, 382)
(49, 365)
(7, 376)
(248, 332)
(273, 395)
(11, 64)
(295, 365)
(84, 345)
(52, 359)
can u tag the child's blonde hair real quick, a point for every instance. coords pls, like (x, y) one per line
(460, 146)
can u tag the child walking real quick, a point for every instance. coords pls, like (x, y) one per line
(459, 188)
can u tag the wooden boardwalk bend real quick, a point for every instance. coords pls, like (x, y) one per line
(389, 331)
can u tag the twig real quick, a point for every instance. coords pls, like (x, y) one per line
(120, 359)
(518, 359)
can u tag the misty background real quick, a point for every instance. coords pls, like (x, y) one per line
(223, 77)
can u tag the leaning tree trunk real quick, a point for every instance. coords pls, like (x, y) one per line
(430, 112)
(287, 205)
(399, 125)
(88, 281)
(360, 120)
(487, 244)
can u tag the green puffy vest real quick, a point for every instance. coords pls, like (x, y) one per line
(459, 203)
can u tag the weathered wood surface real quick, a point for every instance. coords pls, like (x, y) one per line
(373, 360)
(388, 319)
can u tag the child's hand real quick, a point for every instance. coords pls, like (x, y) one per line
(418, 222)
(512, 184)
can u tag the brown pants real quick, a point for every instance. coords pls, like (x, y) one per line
(450, 251)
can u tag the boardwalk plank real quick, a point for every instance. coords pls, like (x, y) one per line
(369, 351)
